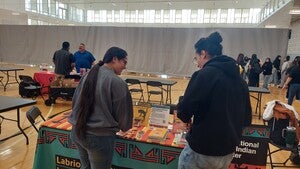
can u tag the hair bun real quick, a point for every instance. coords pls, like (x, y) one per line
(215, 37)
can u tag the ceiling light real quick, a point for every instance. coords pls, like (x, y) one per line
(294, 12)
(15, 13)
(113, 4)
(270, 26)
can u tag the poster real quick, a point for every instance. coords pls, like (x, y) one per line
(252, 151)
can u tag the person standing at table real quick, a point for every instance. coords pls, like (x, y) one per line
(102, 106)
(83, 58)
(63, 60)
(217, 99)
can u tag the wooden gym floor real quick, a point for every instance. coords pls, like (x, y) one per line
(15, 154)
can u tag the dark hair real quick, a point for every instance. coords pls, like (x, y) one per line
(254, 56)
(287, 58)
(296, 61)
(240, 58)
(211, 44)
(65, 45)
(87, 97)
(269, 59)
(277, 57)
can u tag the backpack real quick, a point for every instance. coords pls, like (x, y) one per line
(276, 127)
(257, 68)
(25, 82)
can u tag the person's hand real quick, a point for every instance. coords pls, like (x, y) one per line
(285, 86)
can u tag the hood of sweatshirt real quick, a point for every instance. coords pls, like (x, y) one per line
(224, 63)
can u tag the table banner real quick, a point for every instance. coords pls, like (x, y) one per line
(252, 151)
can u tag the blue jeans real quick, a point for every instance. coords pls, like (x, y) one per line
(294, 90)
(95, 151)
(189, 159)
(266, 81)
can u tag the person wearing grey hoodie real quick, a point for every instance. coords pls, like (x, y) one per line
(101, 107)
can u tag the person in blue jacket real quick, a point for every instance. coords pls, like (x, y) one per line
(217, 99)
(83, 58)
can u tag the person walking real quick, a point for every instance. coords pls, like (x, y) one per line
(293, 81)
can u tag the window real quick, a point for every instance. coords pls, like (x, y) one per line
(53, 8)
(68, 12)
(159, 16)
(237, 15)
(140, 16)
(149, 16)
(44, 5)
(245, 16)
(213, 16)
(90, 16)
(223, 16)
(206, 16)
(186, 15)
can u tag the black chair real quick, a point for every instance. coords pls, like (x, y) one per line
(29, 87)
(135, 86)
(32, 114)
(1, 83)
(155, 88)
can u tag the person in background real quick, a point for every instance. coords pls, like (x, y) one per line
(286, 64)
(254, 71)
(63, 60)
(247, 61)
(267, 72)
(217, 99)
(276, 70)
(83, 58)
(288, 86)
(101, 107)
(241, 62)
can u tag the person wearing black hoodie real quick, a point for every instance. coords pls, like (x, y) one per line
(267, 72)
(217, 99)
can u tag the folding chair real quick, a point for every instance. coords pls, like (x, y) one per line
(278, 143)
(29, 87)
(1, 83)
(155, 88)
(135, 87)
(32, 114)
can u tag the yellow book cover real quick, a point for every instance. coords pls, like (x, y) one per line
(158, 133)
(141, 115)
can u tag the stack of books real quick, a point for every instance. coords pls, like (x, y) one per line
(157, 134)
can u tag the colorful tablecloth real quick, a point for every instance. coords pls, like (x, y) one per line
(135, 150)
(44, 78)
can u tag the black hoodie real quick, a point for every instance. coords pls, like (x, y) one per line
(218, 100)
